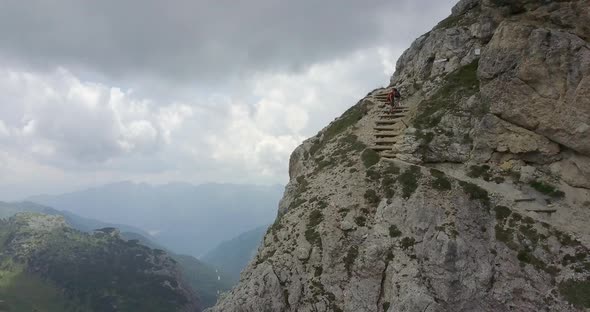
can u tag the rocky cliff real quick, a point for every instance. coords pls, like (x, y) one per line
(481, 203)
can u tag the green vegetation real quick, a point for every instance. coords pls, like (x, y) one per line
(394, 231)
(502, 212)
(386, 306)
(360, 220)
(350, 258)
(93, 272)
(526, 256)
(461, 83)
(480, 172)
(476, 193)
(315, 218)
(514, 7)
(449, 22)
(311, 234)
(506, 235)
(372, 197)
(369, 158)
(547, 189)
(407, 242)
(409, 181)
(576, 292)
(349, 118)
(22, 291)
(440, 182)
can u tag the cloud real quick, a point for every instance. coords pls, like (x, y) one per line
(206, 40)
(61, 119)
(93, 92)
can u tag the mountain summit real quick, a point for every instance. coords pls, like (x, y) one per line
(474, 196)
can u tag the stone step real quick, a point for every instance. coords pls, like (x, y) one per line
(387, 122)
(381, 147)
(385, 128)
(392, 115)
(387, 134)
(386, 142)
(388, 156)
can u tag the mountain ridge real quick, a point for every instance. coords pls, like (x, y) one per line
(176, 211)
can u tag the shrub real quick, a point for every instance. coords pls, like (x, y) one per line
(461, 83)
(409, 181)
(372, 197)
(476, 193)
(576, 292)
(369, 158)
(502, 212)
(407, 242)
(480, 172)
(547, 189)
(350, 258)
(394, 231)
(441, 182)
(360, 220)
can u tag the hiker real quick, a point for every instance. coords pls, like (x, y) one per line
(393, 97)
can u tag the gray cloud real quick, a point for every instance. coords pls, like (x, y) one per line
(204, 39)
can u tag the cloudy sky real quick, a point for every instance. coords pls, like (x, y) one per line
(93, 92)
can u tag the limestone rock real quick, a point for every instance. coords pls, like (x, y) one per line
(495, 135)
(486, 204)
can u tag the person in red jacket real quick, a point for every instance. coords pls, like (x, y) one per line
(392, 97)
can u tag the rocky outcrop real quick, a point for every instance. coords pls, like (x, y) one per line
(485, 207)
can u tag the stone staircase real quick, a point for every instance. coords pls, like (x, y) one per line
(387, 131)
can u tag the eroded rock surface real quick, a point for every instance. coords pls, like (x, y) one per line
(486, 207)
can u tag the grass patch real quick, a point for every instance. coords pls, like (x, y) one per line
(480, 172)
(461, 83)
(513, 7)
(349, 118)
(476, 193)
(547, 189)
(449, 22)
(440, 182)
(506, 236)
(369, 158)
(525, 256)
(315, 218)
(576, 292)
(409, 181)
(502, 212)
(350, 258)
(311, 235)
(386, 306)
(407, 242)
(394, 231)
(372, 197)
(360, 221)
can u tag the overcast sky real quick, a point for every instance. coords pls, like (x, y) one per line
(93, 92)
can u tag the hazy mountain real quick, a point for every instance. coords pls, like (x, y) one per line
(204, 279)
(232, 256)
(48, 266)
(183, 217)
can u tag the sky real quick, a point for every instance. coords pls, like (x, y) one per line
(198, 91)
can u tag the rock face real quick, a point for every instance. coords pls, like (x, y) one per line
(486, 206)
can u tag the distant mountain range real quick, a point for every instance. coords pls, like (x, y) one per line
(232, 256)
(202, 278)
(185, 218)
